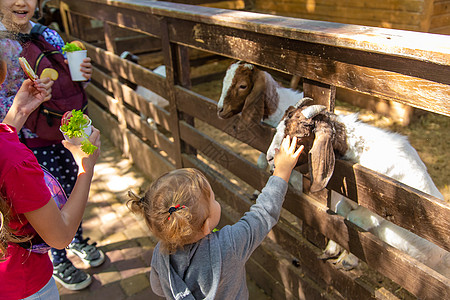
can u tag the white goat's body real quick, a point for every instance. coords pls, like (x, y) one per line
(387, 153)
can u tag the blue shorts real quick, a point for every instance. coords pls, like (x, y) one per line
(48, 292)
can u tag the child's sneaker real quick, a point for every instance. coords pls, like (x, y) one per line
(89, 254)
(70, 277)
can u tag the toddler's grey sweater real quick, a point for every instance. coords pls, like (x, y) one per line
(214, 267)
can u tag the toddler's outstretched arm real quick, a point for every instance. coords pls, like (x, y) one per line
(253, 227)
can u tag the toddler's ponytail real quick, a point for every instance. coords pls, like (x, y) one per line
(175, 207)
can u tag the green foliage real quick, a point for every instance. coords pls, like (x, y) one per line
(74, 128)
(76, 124)
(70, 48)
(88, 147)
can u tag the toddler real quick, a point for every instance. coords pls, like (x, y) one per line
(193, 261)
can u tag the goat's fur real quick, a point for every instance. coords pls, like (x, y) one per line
(327, 135)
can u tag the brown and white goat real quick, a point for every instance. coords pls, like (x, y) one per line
(255, 94)
(259, 98)
(326, 135)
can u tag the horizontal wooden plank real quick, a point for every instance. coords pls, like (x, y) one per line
(441, 30)
(441, 7)
(128, 70)
(103, 99)
(236, 200)
(135, 44)
(440, 20)
(227, 158)
(130, 97)
(108, 125)
(156, 137)
(427, 216)
(414, 45)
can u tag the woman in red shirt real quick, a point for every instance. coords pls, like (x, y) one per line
(26, 209)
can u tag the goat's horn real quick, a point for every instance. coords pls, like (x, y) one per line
(313, 110)
(303, 101)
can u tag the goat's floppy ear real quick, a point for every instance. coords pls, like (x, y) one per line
(253, 109)
(321, 160)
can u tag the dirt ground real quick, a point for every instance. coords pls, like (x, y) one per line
(428, 133)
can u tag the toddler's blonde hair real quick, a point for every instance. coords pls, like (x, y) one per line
(185, 187)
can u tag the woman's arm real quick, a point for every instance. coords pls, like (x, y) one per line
(57, 228)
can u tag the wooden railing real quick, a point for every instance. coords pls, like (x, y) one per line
(407, 67)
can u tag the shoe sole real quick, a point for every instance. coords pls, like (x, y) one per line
(75, 286)
(92, 263)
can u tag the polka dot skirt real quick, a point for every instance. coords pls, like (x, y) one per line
(59, 161)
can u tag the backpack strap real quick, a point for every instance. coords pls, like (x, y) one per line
(38, 29)
(41, 56)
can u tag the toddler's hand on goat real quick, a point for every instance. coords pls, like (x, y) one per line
(286, 158)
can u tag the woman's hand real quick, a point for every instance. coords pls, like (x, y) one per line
(85, 161)
(28, 98)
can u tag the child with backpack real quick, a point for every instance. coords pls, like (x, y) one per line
(27, 211)
(191, 259)
(42, 47)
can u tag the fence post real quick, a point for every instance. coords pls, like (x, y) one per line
(321, 93)
(176, 60)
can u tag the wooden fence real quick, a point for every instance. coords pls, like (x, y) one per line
(407, 67)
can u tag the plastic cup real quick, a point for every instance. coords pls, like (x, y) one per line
(77, 140)
(75, 59)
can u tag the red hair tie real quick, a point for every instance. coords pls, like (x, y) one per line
(173, 209)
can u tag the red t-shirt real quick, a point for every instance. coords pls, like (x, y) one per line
(22, 185)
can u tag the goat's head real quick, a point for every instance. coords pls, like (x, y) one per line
(316, 130)
(242, 86)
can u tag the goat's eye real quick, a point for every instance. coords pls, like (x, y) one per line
(242, 86)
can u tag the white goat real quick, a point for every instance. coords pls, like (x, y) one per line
(256, 95)
(325, 134)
